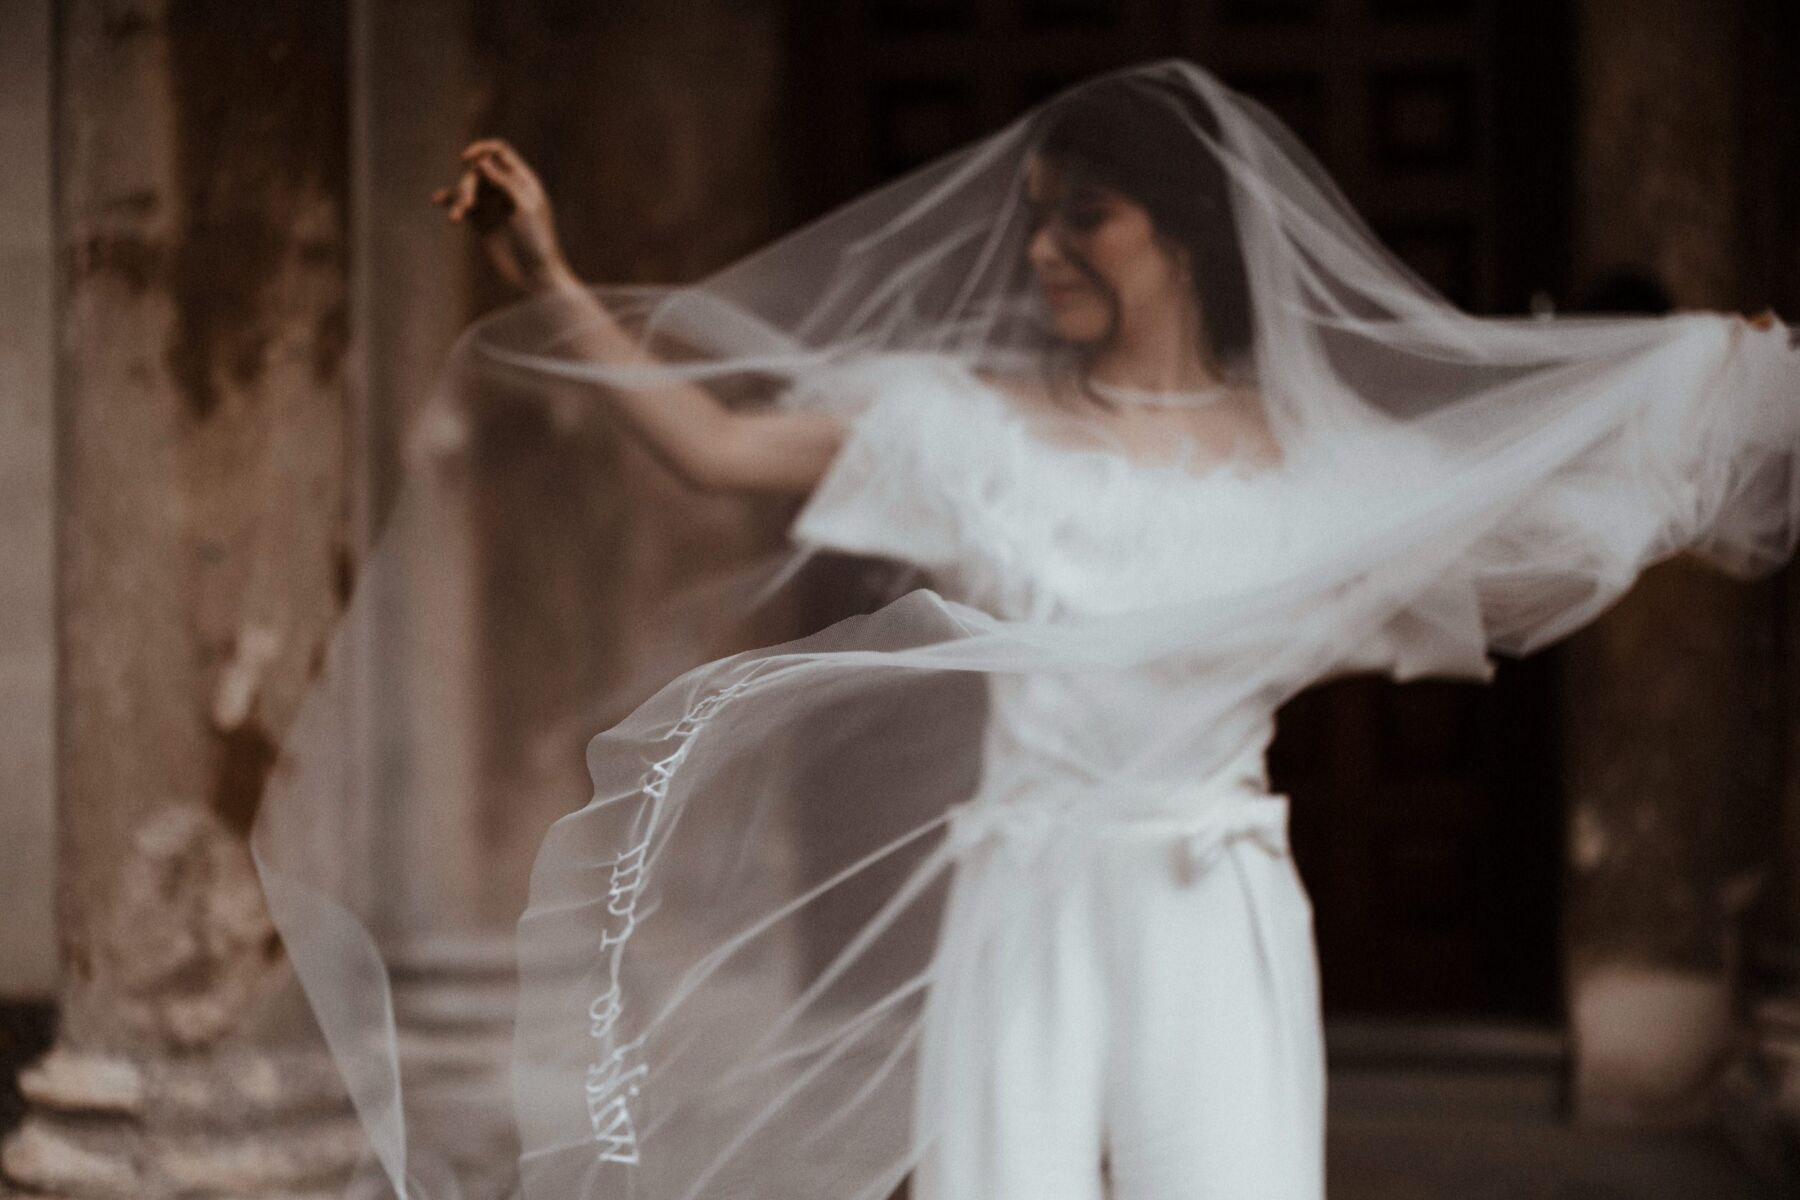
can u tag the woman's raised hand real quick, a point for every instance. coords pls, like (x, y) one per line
(501, 196)
(682, 423)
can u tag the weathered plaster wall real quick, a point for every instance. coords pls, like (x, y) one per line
(659, 142)
(1673, 755)
(27, 851)
(202, 500)
(202, 486)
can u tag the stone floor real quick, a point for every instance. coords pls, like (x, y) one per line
(1409, 1136)
(1493, 1130)
(1418, 1116)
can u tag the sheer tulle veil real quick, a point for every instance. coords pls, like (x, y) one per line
(705, 960)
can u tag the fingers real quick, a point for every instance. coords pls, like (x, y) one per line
(497, 173)
(463, 195)
(498, 150)
(484, 146)
(469, 192)
(509, 172)
(494, 160)
(459, 197)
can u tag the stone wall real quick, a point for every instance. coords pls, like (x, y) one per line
(201, 497)
(255, 296)
(27, 852)
(1675, 702)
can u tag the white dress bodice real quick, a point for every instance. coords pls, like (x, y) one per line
(941, 471)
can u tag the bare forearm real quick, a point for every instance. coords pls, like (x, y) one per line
(682, 423)
(706, 444)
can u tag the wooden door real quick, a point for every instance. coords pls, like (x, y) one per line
(1426, 818)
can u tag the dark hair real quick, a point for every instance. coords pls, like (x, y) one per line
(1137, 136)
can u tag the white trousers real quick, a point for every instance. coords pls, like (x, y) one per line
(1140, 993)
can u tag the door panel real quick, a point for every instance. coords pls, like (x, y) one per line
(1426, 818)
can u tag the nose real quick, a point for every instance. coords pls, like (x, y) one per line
(1042, 250)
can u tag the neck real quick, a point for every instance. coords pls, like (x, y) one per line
(1162, 354)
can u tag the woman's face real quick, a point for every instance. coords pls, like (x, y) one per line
(1088, 241)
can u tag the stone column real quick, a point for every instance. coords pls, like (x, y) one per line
(659, 142)
(27, 935)
(203, 493)
(1765, 1112)
(1762, 1112)
(1669, 701)
(653, 138)
(452, 973)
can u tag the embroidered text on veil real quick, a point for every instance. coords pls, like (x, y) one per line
(615, 1075)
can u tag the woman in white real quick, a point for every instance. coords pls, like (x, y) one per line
(1173, 1026)
(1171, 438)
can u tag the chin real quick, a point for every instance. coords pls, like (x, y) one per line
(1080, 327)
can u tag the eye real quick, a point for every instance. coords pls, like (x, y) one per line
(1086, 217)
(1081, 216)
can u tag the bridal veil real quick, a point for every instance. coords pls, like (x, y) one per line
(721, 953)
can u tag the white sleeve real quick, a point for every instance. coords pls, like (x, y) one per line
(1704, 463)
(1438, 636)
(1691, 447)
(884, 492)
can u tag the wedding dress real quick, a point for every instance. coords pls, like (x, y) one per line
(1151, 992)
(1135, 966)
(987, 887)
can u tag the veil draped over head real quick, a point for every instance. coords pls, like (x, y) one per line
(722, 961)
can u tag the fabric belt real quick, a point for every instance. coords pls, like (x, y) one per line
(1219, 816)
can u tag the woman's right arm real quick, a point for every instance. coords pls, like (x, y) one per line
(707, 445)
(684, 426)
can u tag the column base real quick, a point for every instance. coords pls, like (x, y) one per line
(455, 993)
(246, 1125)
(1761, 1107)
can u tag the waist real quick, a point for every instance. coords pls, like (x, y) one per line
(1045, 786)
(1204, 817)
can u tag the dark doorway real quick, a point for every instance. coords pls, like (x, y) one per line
(1427, 819)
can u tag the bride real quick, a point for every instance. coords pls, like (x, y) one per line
(988, 888)
(1184, 1119)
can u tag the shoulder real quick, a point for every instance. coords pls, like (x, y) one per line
(916, 406)
(1256, 432)
(1015, 382)
(1020, 392)
(858, 387)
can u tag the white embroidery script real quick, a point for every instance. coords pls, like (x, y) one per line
(615, 1075)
